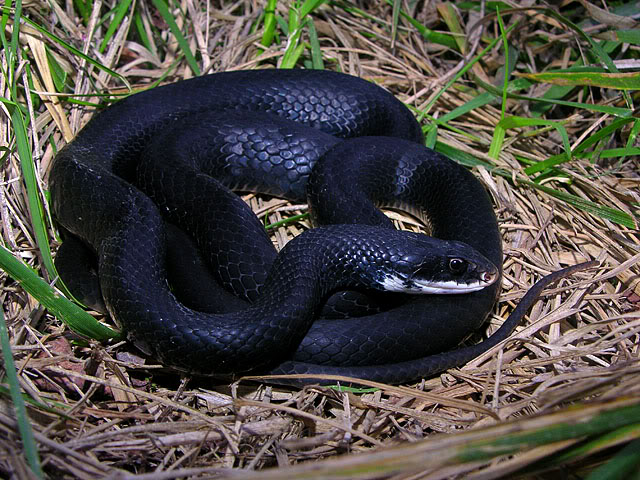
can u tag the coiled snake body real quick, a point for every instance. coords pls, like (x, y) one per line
(264, 130)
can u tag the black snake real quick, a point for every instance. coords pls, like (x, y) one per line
(263, 131)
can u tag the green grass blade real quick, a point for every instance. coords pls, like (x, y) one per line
(57, 72)
(617, 111)
(518, 122)
(476, 102)
(294, 17)
(294, 47)
(24, 426)
(619, 81)
(600, 135)
(75, 51)
(612, 214)
(430, 35)
(83, 8)
(623, 464)
(545, 165)
(395, 18)
(299, 20)
(466, 68)
(36, 210)
(431, 136)
(9, 47)
(496, 141)
(309, 6)
(619, 152)
(287, 221)
(15, 32)
(52, 407)
(505, 80)
(163, 9)
(316, 51)
(294, 50)
(284, 27)
(269, 30)
(120, 12)
(633, 135)
(591, 447)
(598, 424)
(461, 157)
(437, 122)
(141, 30)
(71, 314)
(627, 36)
(450, 17)
(595, 47)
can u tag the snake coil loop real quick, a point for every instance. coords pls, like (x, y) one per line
(169, 154)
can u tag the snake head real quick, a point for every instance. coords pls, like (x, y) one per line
(440, 267)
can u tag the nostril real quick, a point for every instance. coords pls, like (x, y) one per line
(487, 277)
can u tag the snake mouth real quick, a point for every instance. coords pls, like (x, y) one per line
(450, 287)
(443, 286)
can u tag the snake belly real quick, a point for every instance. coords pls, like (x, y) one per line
(361, 140)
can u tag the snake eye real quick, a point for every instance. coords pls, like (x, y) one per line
(457, 266)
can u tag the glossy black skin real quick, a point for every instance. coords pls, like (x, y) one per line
(94, 199)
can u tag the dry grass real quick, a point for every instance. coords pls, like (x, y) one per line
(97, 412)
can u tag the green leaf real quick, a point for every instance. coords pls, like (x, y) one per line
(316, 51)
(24, 425)
(604, 133)
(506, 69)
(36, 210)
(309, 6)
(71, 314)
(286, 221)
(593, 446)
(450, 17)
(142, 31)
(476, 102)
(466, 68)
(76, 52)
(120, 12)
(57, 72)
(618, 112)
(294, 48)
(84, 9)
(431, 36)
(269, 29)
(462, 158)
(599, 423)
(182, 42)
(619, 81)
(612, 214)
(624, 464)
(517, 122)
(546, 164)
(620, 152)
(431, 136)
(627, 36)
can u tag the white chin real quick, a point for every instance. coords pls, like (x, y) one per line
(395, 284)
(450, 288)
